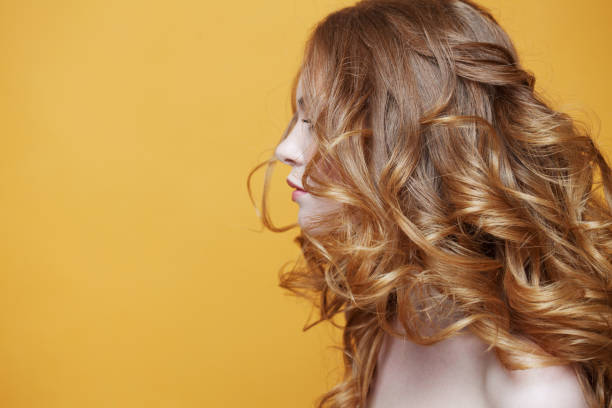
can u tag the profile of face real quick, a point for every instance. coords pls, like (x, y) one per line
(296, 150)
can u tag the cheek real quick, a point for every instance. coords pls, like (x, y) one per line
(326, 171)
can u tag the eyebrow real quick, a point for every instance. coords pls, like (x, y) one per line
(300, 103)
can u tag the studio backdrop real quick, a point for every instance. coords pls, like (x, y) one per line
(133, 269)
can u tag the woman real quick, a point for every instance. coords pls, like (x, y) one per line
(455, 219)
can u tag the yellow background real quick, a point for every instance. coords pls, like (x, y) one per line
(132, 269)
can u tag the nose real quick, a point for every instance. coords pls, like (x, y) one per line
(291, 150)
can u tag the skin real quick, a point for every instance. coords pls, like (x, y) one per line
(296, 150)
(456, 372)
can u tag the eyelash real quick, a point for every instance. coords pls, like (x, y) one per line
(307, 121)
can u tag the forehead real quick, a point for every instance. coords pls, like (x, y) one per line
(299, 95)
(299, 90)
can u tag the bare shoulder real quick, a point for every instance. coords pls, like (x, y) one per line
(553, 386)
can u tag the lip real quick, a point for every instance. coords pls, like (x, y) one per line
(291, 184)
(298, 192)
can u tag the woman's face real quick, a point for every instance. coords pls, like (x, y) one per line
(296, 150)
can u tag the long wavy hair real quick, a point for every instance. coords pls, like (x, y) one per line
(463, 194)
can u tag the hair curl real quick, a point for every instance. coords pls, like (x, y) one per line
(464, 194)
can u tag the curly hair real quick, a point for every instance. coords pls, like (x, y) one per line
(463, 194)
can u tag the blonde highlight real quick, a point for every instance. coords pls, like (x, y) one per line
(464, 194)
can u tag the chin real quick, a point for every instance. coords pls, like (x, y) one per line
(306, 225)
(304, 221)
(308, 216)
